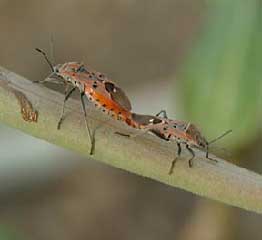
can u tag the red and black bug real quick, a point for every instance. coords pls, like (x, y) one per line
(188, 134)
(181, 132)
(104, 93)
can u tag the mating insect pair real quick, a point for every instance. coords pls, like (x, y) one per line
(107, 96)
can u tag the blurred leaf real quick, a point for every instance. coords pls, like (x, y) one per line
(8, 234)
(222, 78)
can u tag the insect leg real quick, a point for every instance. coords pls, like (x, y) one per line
(123, 134)
(67, 95)
(207, 156)
(91, 136)
(142, 132)
(162, 112)
(190, 161)
(174, 161)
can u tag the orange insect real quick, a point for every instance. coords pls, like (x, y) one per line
(104, 93)
(175, 130)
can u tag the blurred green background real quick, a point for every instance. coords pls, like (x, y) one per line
(199, 60)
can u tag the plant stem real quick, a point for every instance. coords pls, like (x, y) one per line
(144, 155)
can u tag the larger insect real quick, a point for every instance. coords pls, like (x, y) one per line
(104, 93)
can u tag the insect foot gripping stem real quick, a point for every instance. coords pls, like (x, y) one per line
(179, 149)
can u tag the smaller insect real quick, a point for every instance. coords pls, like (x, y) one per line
(175, 130)
(94, 85)
(191, 136)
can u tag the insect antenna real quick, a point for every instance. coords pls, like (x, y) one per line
(52, 48)
(46, 58)
(220, 136)
(216, 139)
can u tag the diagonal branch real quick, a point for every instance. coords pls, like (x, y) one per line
(145, 155)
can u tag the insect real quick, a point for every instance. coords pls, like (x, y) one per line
(104, 93)
(188, 134)
(178, 131)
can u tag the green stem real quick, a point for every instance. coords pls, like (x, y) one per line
(144, 155)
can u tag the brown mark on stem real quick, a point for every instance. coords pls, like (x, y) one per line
(27, 111)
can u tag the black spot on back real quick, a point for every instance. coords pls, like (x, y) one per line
(109, 87)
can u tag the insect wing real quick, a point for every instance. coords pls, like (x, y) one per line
(118, 95)
(145, 120)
